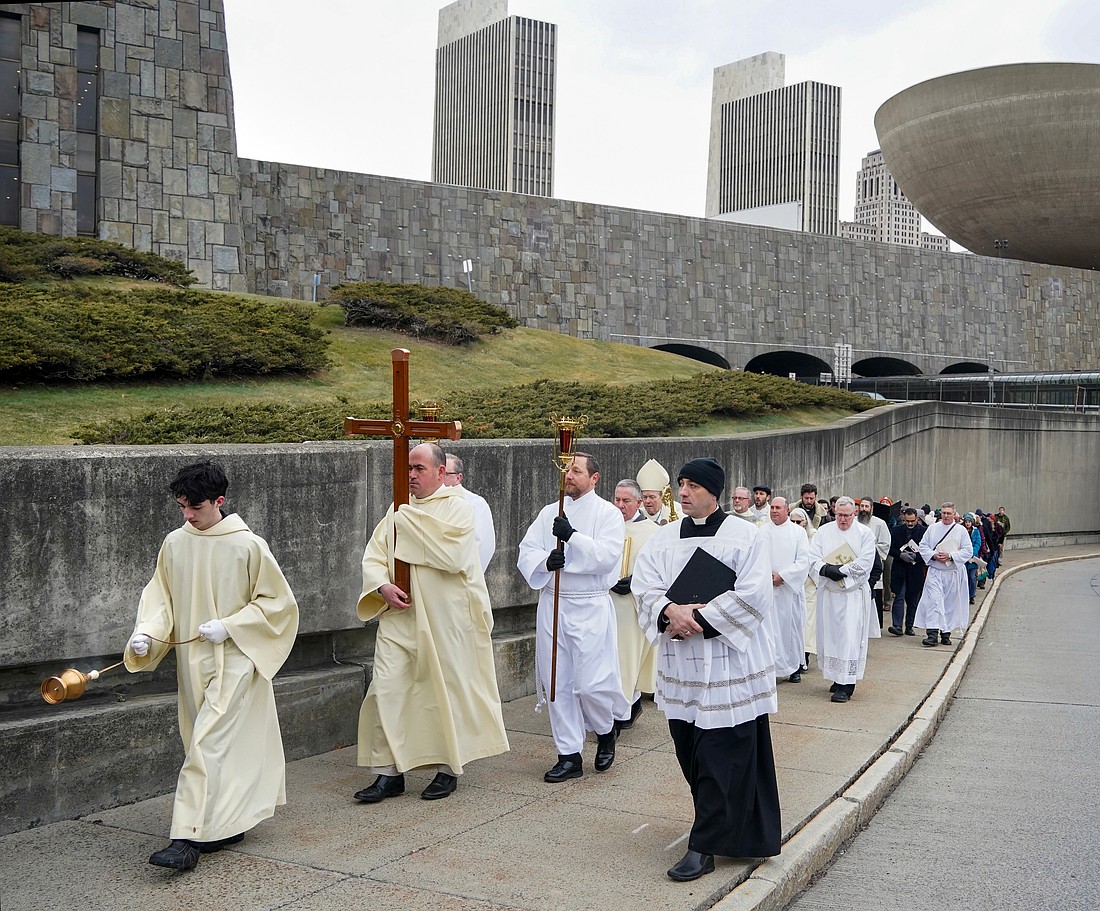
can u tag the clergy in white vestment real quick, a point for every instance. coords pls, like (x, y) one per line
(802, 518)
(653, 482)
(433, 700)
(944, 604)
(218, 581)
(637, 660)
(789, 554)
(715, 668)
(741, 506)
(485, 533)
(588, 688)
(841, 556)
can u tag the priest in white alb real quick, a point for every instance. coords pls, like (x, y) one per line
(637, 660)
(789, 553)
(433, 700)
(841, 556)
(703, 586)
(216, 582)
(587, 686)
(944, 604)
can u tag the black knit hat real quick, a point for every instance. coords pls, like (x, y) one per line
(705, 472)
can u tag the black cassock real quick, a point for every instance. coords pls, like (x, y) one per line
(731, 770)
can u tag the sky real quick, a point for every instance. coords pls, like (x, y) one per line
(349, 84)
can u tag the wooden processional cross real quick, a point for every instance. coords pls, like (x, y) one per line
(402, 428)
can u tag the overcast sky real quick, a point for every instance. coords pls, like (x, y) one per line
(349, 84)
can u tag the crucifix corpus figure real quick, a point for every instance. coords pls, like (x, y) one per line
(402, 428)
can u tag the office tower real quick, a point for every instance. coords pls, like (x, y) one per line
(494, 99)
(774, 149)
(883, 213)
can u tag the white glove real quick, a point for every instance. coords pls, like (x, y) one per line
(213, 631)
(140, 645)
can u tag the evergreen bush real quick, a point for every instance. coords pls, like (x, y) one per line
(89, 333)
(447, 314)
(515, 412)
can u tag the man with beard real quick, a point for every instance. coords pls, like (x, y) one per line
(589, 692)
(881, 532)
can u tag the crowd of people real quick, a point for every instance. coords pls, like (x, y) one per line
(657, 591)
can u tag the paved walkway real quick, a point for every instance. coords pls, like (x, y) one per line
(1000, 811)
(506, 840)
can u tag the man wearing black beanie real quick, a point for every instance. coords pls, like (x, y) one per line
(702, 605)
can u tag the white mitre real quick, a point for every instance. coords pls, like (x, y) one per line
(652, 476)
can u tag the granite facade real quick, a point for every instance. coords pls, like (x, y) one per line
(166, 147)
(651, 279)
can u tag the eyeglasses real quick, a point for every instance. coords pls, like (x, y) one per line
(452, 474)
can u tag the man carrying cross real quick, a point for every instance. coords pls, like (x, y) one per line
(433, 699)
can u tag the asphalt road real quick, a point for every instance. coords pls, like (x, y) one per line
(1002, 811)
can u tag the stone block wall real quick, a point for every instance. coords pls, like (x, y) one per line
(167, 147)
(646, 278)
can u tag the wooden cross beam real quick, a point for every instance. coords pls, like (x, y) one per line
(402, 428)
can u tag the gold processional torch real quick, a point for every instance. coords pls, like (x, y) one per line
(564, 452)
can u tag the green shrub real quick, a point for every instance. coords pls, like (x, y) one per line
(82, 333)
(447, 314)
(515, 412)
(34, 257)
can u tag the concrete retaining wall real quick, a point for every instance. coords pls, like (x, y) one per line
(79, 538)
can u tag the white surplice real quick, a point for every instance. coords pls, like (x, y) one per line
(789, 553)
(945, 601)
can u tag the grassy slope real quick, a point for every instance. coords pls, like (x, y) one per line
(43, 415)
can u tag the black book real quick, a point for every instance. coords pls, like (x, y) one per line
(702, 579)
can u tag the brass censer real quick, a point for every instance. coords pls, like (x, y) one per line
(70, 683)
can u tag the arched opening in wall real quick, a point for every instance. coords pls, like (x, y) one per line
(784, 363)
(966, 367)
(696, 354)
(884, 366)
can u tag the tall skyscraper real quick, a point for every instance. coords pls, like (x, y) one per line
(883, 213)
(494, 99)
(774, 149)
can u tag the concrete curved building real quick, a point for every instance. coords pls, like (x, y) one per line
(1004, 160)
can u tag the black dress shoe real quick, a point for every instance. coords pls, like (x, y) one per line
(691, 866)
(909, 631)
(180, 855)
(443, 785)
(209, 847)
(945, 638)
(841, 695)
(567, 767)
(384, 786)
(605, 750)
(796, 677)
(930, 640)
(635, 711)
(894, 631)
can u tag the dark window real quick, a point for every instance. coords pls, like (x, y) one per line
(10, 47)
(87, 128)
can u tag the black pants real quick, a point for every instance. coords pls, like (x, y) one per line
(907, 582)
(731, 772)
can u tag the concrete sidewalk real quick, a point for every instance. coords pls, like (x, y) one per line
(506, 839)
